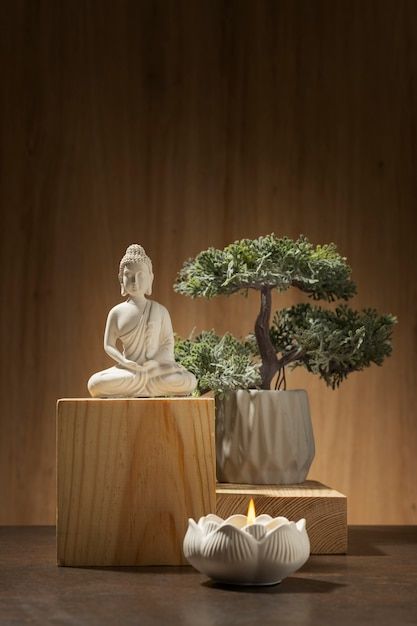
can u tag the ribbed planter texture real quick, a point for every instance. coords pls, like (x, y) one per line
(263, 437)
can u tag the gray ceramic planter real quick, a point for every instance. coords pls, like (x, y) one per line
(263, 437)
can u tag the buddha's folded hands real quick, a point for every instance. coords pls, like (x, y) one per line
(132, 366)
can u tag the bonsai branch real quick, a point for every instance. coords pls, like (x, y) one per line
(293, 355)
(289, 357)
(267, 352)
(281, 380)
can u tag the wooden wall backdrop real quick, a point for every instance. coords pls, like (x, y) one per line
(183, 125)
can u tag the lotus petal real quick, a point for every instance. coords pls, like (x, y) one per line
(230, 544)
(238, 520)
(208, 525)
(256, 530)
(276, 522)
(285, 546)
(229, 554)
(263, 519)
(192, 540)
(211, 517)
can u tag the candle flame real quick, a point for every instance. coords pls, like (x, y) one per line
(251, 512)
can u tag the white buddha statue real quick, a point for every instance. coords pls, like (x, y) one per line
(146, 367)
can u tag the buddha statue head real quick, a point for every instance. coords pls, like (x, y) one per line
(135, 272)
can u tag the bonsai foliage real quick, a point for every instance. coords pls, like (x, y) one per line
(332, 343)
(219, 363)
(328, 343)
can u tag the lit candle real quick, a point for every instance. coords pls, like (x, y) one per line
(251, 516)
(245, 549)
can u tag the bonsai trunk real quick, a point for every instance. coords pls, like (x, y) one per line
(269, 358)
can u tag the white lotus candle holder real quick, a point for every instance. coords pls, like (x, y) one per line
(236, 551)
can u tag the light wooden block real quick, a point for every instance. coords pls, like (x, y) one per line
(130, 474)
(324, 509)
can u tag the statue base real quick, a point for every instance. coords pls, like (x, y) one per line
(130, 474)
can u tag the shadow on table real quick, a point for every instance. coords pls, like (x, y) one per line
(141, 569)
(369, 540)
(289, 585)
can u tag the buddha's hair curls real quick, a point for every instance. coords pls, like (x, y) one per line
(134, 254)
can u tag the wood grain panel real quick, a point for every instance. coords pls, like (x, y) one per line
(181, 125)
(130, 474)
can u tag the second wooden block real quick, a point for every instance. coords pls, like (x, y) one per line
(324, 509)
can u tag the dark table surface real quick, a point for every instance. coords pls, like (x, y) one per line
(376, 583)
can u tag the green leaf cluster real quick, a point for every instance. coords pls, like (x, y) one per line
(269, 260)
(219, 363)
(331, 343)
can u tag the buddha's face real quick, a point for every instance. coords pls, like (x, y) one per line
(137, 280)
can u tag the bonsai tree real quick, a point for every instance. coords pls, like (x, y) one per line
(329, 343)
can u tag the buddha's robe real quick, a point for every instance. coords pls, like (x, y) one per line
(151, 339)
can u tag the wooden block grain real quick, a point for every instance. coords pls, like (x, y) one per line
(130, 474)
(324, 509)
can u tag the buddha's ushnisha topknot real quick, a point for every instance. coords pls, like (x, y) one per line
(134, 254)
